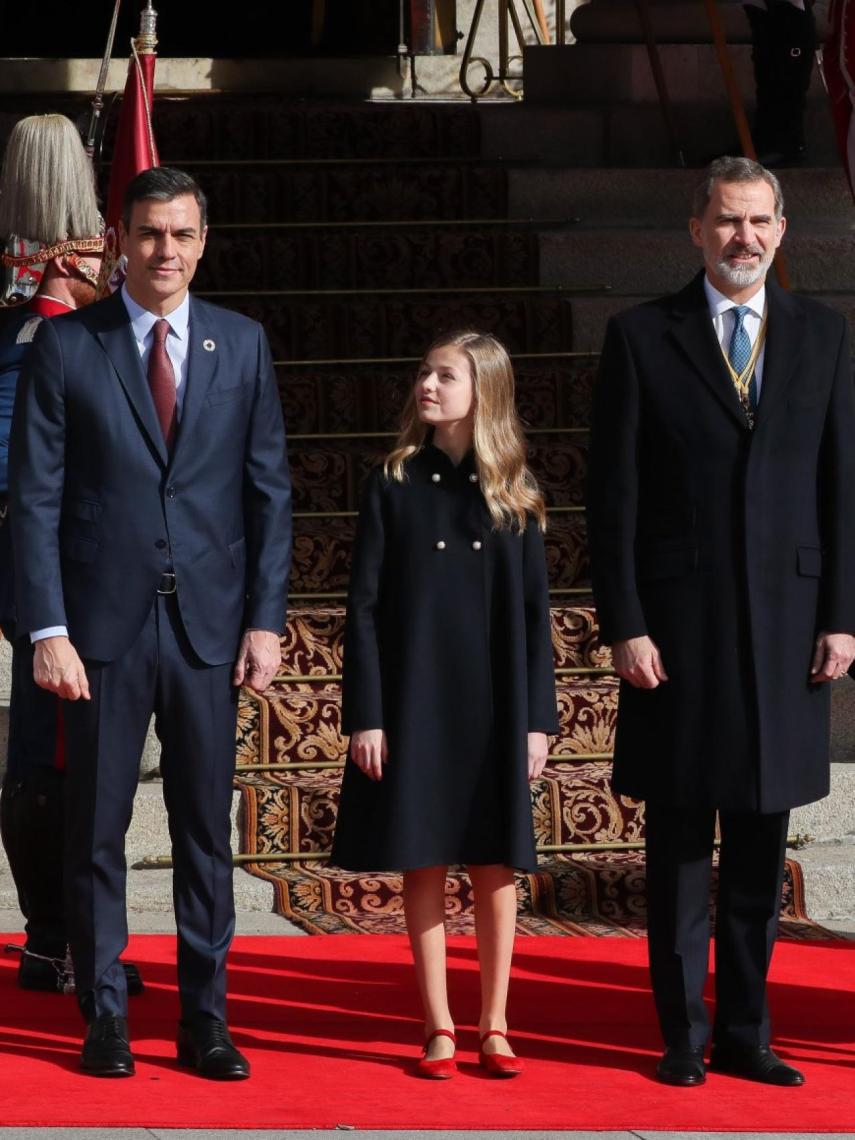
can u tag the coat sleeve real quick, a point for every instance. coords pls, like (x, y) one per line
(362, 694)
(267, 503)
(542, 707)
(36, 479)
(612, 497)
(837, 500)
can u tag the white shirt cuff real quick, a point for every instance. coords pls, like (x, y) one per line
(49, 631)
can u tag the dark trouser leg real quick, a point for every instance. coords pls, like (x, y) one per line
(196, 722)
(31, 805)
(679, 847)
(784, 42)
(104, 741)
(751, 871)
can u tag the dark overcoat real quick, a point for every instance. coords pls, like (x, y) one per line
(448, 649)
(731, 548)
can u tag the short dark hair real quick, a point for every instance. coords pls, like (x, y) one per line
(731, 168)
(163, 183)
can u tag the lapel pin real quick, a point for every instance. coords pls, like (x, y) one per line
(208, 345)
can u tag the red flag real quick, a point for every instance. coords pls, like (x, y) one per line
(134, 150)
(838, 69)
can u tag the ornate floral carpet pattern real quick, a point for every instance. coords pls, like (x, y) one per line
(290, 754)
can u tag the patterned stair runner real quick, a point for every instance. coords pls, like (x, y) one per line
(290, 757)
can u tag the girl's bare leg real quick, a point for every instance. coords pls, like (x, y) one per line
(424, 909)
(495, 926)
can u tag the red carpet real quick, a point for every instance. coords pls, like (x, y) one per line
(331, 1023)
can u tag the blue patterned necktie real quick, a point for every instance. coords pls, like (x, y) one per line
(739, 352)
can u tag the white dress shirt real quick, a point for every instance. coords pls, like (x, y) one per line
(723, 319)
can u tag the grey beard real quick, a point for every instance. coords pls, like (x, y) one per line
(742, 276)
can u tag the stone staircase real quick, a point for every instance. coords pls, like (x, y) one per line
(355, 232)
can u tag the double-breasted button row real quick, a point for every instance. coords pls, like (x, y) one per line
(476, 545)
(436, 477)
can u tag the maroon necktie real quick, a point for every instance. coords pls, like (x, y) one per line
(161, 380)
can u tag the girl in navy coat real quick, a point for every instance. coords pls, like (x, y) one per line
(449, 688)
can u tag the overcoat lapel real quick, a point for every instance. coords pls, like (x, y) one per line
(693, 331)
(784, 347)
(202, 360)
(117, 340)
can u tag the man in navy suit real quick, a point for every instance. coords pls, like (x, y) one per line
(151, 516)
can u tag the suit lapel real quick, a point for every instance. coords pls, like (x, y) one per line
(784, 345)
(202, 359)
(117, 340)
(693, 331)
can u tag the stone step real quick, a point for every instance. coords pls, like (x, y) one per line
(652, 261)
(200, 125)
(323, 545)
(151, 890)
(370, 323)
(583, 133)
(605, 73)
(652, 197)
(368, 395)
(365, 190)
(379, 256)
(829, 876)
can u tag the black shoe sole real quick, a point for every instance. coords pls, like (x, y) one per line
(115, 1071)
(188, 1062)
(681, 1082)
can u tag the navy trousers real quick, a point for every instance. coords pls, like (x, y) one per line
(679, 871)
(195, 709)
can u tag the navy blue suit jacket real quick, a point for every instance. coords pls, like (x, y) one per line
(99, 509)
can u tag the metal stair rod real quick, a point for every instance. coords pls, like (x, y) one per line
(310, 765)
(163, 862)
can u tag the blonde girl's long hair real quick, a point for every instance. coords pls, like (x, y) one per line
(509, 488)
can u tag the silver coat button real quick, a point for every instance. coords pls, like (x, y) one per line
(476, 545)
(435, 478)
(440, 545)
(473, 478)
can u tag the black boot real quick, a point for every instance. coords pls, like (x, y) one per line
(31, 823)
(783, 45)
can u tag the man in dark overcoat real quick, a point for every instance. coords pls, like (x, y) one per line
(722, 526)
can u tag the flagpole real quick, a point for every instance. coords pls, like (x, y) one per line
(98, 100)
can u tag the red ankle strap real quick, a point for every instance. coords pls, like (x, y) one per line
(441, 1033)
(493, 1033)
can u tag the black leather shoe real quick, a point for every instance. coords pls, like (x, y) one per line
(106, 1052)
(754, 1063)
(682, 1066)
(204, 1044)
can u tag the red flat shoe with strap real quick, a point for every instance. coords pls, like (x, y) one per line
(498, 1064)
(443, 1067)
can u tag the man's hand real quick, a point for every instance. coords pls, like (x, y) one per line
(258, 659)
(538, 750)
(638, 661)
(832, 657)
(57, 668)
(369, 752)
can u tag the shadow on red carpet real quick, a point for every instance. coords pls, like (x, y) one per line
(331, 1026)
